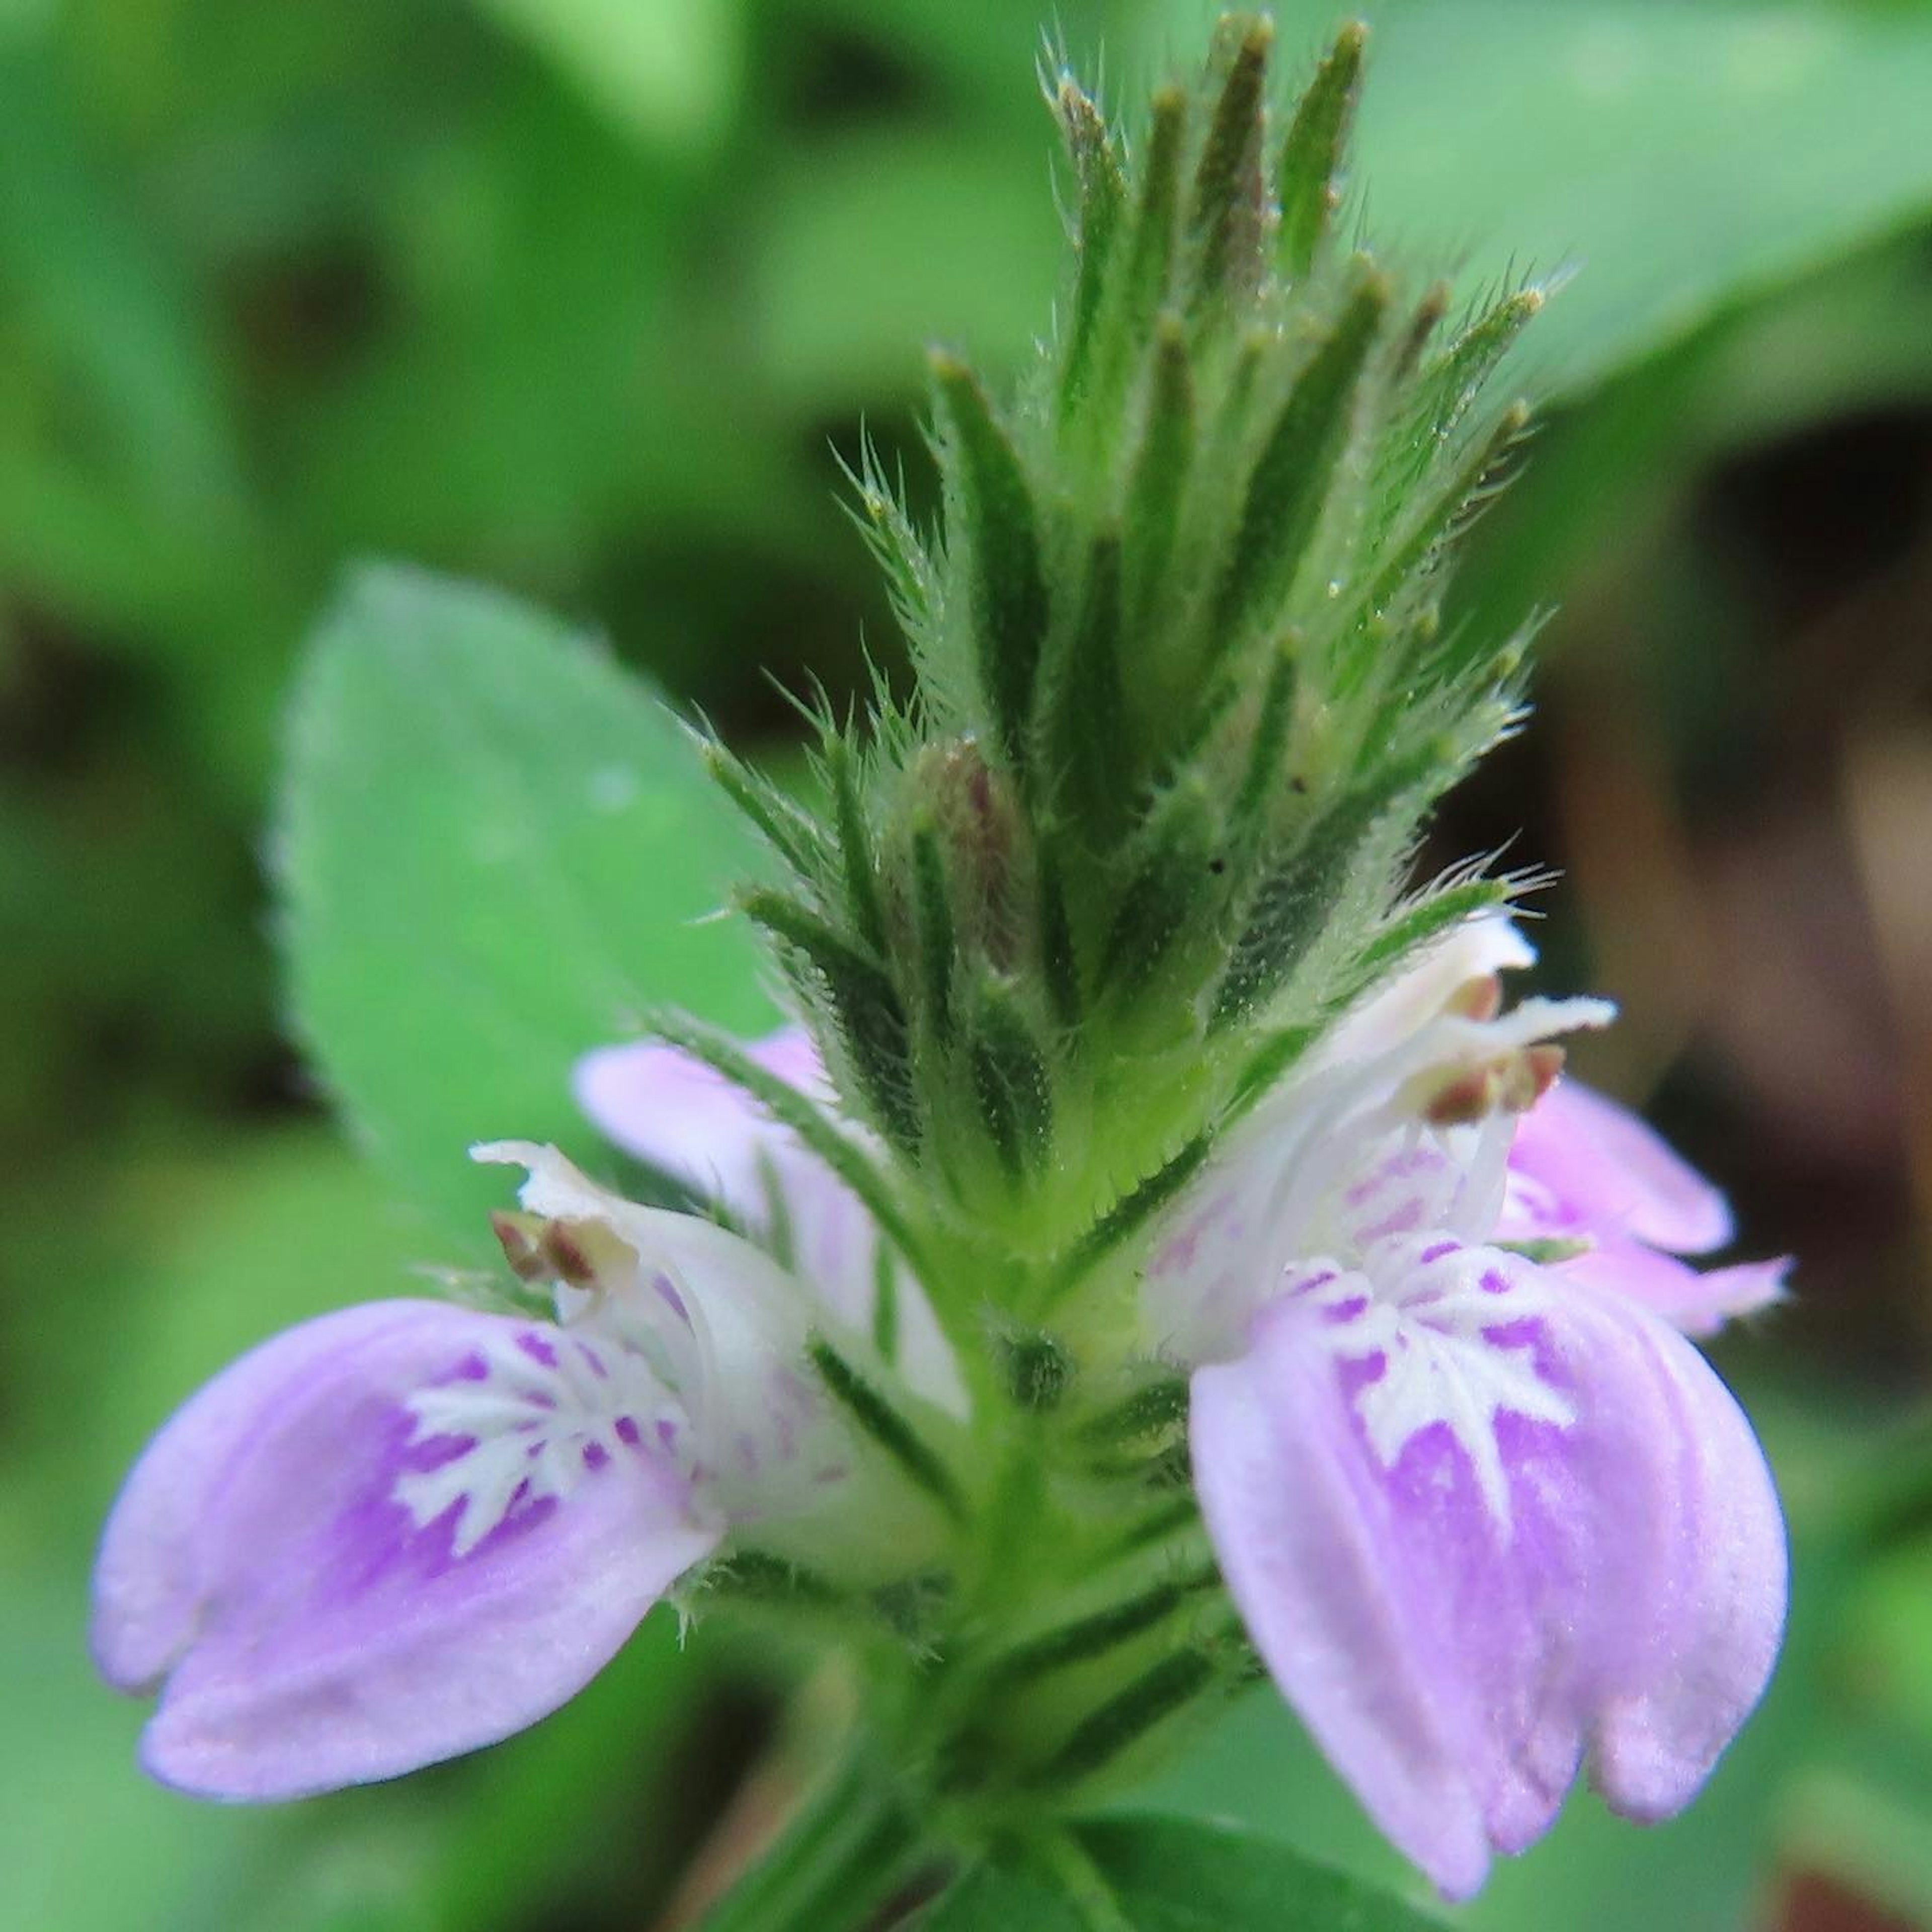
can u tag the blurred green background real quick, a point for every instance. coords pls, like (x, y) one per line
(584, 298)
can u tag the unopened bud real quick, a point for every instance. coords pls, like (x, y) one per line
(971, 809)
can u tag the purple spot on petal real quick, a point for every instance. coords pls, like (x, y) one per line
(667, 1433)
(1404, 1220)
(627, 1431)
(432, 1452)
(1356, 1305)
(1437, 1251)
(1524, 1333)
(1355, 1373)
(538, 1350)
(595, 1456)
(667, 1292)
(593, 1360)
(1397, 1167)
(375, 1539)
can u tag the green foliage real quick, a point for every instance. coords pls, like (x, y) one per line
(1150, 1874)
(490, 822)
(1719, 113)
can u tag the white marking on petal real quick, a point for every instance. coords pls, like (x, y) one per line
(1438, 1316)
(546, 1410)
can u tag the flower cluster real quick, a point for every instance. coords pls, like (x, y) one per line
(1157, 1256)
(1481, 1508)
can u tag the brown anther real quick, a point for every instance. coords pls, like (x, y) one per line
(517, 1235)
(1466, 1099)
(1528, 1075)
(568, 1261)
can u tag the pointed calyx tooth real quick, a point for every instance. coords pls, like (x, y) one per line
(1102, 193)
(1311, 155)
(855, 845)
(1228, 218)
(1157, 485)
(1085, 722)
(1453, 382)
(1012, 1081)
(842, 979)
(1289, 485)
(1001, 529)
(1140, 287)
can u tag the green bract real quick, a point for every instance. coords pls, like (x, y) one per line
(1183, 695)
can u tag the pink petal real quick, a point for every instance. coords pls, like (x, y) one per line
(657, 1102)
(1695, 1302)
(388, 1536)
(1613, 1175)
(1618, 1591)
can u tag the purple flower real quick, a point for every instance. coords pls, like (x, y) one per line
(405, 1530)
(1485, 1511)
(1487, 1518)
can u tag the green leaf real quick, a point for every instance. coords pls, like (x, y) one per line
(1151, 1874)
(496, 852)
(666, 71)
(1683, 157)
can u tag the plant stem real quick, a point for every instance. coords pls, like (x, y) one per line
(852, 1844)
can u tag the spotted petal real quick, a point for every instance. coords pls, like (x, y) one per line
(1484, 1523)
(388, 1536)
(1336, 1157)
